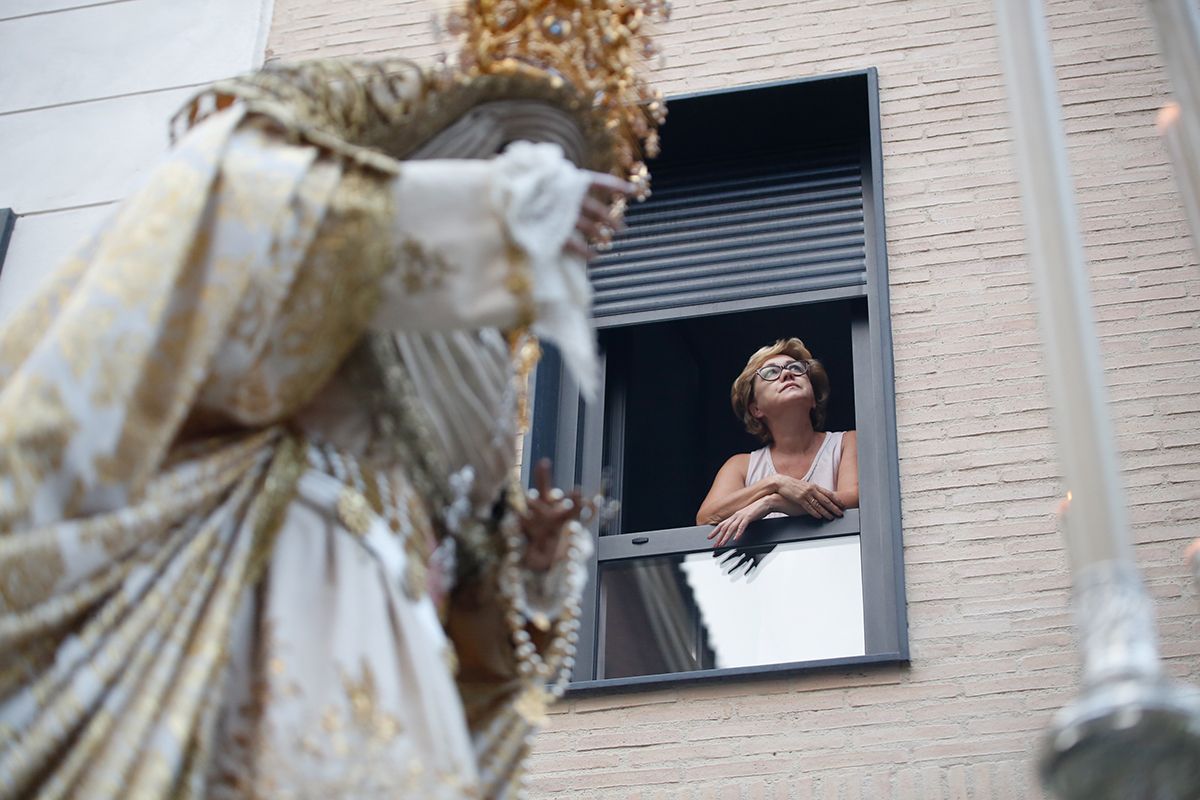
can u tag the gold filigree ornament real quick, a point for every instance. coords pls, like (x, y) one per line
(354, 511)
(595, 47)
(533, 705)
(583, 57)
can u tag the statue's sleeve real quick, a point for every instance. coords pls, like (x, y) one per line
(426, 246)
(479, 244)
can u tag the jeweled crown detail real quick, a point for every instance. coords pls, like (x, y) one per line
(598, 46)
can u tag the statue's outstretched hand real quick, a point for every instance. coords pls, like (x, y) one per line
(597, 222)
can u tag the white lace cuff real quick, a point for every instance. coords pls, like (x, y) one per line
(479, 244)
(538, 193)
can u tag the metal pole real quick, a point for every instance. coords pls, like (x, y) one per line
(1131, 734)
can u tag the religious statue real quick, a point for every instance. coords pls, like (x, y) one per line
(259, 529)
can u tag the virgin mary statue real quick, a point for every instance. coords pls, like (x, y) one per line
(257, 440)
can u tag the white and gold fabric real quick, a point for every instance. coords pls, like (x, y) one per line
(256, 442)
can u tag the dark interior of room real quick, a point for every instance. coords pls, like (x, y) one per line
(679, 427)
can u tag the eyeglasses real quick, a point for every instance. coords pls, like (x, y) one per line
(773, 372)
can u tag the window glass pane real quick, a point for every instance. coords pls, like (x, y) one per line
(802, 601)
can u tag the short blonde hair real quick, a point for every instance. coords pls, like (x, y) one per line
(742, 394)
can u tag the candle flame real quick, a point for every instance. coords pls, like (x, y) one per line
(1064, 505)
(1168, 116)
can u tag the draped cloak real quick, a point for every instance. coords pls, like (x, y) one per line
(236, 432)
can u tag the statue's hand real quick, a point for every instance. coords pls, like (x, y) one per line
(597, 221)
(544, 523)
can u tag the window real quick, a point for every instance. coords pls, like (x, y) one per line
(766, 222)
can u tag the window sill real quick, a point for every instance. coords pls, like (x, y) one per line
(579, 688)
(694, 539)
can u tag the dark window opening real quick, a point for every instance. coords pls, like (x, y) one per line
(673, 380)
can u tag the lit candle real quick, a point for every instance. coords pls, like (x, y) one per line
(1192, 556)
(1185, 162)
(1177, 28)
(1096, 527)
(1131, 733)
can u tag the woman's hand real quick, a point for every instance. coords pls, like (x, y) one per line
(596, 221)
(732, 527)
(545, 520)
(808, 498)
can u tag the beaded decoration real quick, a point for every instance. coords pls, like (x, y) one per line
(547, 673)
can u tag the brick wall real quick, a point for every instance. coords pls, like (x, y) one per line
(992, 651)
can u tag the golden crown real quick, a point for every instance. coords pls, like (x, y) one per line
(596, 46)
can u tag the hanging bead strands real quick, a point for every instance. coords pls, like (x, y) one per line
(555, 665)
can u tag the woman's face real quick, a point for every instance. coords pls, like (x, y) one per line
(788, 394)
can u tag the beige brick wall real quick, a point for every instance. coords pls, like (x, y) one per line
(992, 653)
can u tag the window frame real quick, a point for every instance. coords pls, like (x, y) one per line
(570, 430)
(7, 220)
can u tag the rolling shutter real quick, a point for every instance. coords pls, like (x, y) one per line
(757, 226)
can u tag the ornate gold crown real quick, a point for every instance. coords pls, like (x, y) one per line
(596, 46)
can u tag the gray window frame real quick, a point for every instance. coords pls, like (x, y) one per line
(7, 220)
(574, 434)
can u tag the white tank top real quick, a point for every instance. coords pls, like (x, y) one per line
(823, 471)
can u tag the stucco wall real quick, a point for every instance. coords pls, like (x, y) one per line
(992, 652)
(86, 91)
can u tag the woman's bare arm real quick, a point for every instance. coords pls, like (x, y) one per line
(847, 477)
(729, 492)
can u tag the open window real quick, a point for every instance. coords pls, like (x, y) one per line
(766, 222)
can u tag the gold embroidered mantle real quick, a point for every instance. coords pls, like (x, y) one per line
(150, 474)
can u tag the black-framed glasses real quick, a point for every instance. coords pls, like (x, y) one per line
(773, 372)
